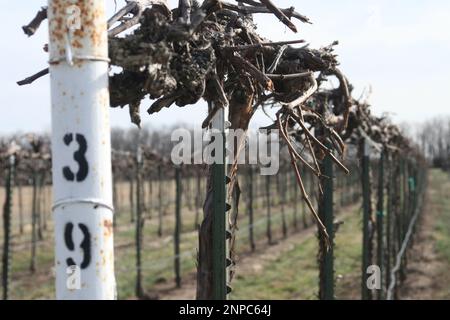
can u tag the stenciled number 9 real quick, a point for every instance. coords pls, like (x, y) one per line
(85, 244)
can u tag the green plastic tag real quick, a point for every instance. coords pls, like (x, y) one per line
(412, 184)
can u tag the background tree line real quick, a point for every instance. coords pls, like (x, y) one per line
(433, 137)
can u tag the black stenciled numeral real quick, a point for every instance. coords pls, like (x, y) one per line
(79, 156)
(85, 244)
(69, 242)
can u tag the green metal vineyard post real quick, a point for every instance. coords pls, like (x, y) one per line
(304, 211)
(132, 207)
(366, 212)
(33, 222)
(269, 214)
(397, 223)
(115, 196)
(312, 193)
(177, 230)
(380, 214)
(328, 218)
(250, 208)
(355, 184)
(21, 222)
(39, 206)
(160, 203)
(294, 189)
(349, 187)
(219, 219)
(44, 205)
(150, 202)
(197, 199)
(403, 215)
(139, 224)
(340, 185)
(282, 199)
(389, 215)
(7, 227)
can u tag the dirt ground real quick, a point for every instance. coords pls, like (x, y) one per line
(246, 264)
(428, 269)
(428, 272)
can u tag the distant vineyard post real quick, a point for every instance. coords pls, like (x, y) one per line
(326, 255)
(7, 208)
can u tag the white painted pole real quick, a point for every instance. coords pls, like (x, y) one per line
(82, 182)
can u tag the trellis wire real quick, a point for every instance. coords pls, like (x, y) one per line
(401, 253)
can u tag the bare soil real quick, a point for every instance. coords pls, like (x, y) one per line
(427, 274)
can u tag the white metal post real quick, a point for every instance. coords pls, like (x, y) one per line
(81, 148)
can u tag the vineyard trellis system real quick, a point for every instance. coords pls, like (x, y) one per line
(346, 191)
(212, 51)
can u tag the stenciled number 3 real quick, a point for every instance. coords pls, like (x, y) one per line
(79, 156)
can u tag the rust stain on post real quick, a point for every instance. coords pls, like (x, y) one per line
(108, 226)
(90, 39)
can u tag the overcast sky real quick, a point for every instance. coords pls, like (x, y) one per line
(399, 48)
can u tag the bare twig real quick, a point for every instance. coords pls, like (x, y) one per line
(291, 147)
(346, 93)
(34, 77)
(264, 44)
(305, 95)
(32, 27)
(276, 61)
(289, 76)
(239, 61)
(136, 7)
(316, 141)
(306, 198)
(280, 14)
(121, 13)
(290, 12)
